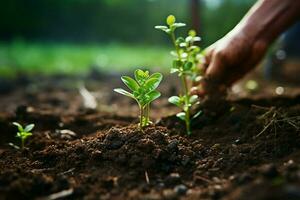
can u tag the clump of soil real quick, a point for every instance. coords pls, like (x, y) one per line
(248, 149)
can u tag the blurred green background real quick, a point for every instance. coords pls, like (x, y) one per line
(73, 36)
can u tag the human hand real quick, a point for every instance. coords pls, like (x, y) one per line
(228, 60)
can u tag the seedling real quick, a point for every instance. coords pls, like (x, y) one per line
(187, 58)
(23, 133)
(143, 90)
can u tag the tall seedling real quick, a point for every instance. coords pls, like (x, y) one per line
(187, 58)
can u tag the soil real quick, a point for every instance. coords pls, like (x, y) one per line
(239, 149)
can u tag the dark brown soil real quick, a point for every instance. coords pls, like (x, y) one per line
(242, 149)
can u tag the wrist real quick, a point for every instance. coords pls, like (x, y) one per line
(267, 19)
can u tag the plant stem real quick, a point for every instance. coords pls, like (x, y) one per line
(174, 42)
(185, 89)
(147, 114)
(141, 116)
(186, 106)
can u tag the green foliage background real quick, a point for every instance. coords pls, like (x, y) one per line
(75, 33)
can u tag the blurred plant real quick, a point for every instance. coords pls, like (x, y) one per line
(23, 133)
(143, 91)
(187, 59)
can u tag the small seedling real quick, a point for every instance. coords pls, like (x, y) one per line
(23, 133)
(187, 58)
(143, 90)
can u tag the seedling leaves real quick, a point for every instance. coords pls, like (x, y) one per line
(130, 83)
(124, 92)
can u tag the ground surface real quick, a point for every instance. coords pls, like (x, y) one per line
(239, 149)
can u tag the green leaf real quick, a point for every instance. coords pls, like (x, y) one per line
(124, 92)
(29, 127)
(171, 20)
(179, 40)
(177, 64)
(13, 145)
(139, 76)
(183, 55)
(151, 84)
(130, 83)
(174, 70)
(20, 128)
(197, 114)
(157, 75)
(181, 116)
(188, 66)
(163, 28)
(188, 38)
(152, 96)
(177, 25)
(192, 33)
(183, 44)
(193, 99)
(175, 100)
(195, 48)
(27, 134)
(197, 39)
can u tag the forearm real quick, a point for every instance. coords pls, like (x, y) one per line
(267, 19)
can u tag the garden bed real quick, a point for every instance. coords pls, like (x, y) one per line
(244, 149)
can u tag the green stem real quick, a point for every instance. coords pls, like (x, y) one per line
(147, 113)
(145, 116)
(186, 106)
(141, 116)
(176, 47)
(185, 89)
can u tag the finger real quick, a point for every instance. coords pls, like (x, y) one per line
(207, 57)
(198, 90)
(216, 69)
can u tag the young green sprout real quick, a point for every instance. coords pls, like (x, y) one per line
(187, 58)
(143, 90)
(23, 133)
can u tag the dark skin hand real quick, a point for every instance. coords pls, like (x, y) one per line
(238, 52)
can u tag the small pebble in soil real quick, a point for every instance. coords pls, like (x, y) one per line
(237, 141)
(291, 165)
(67, 134)
(96, 154)
(180, 189)
(173, 179)
(269, 171)
(216, 146)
